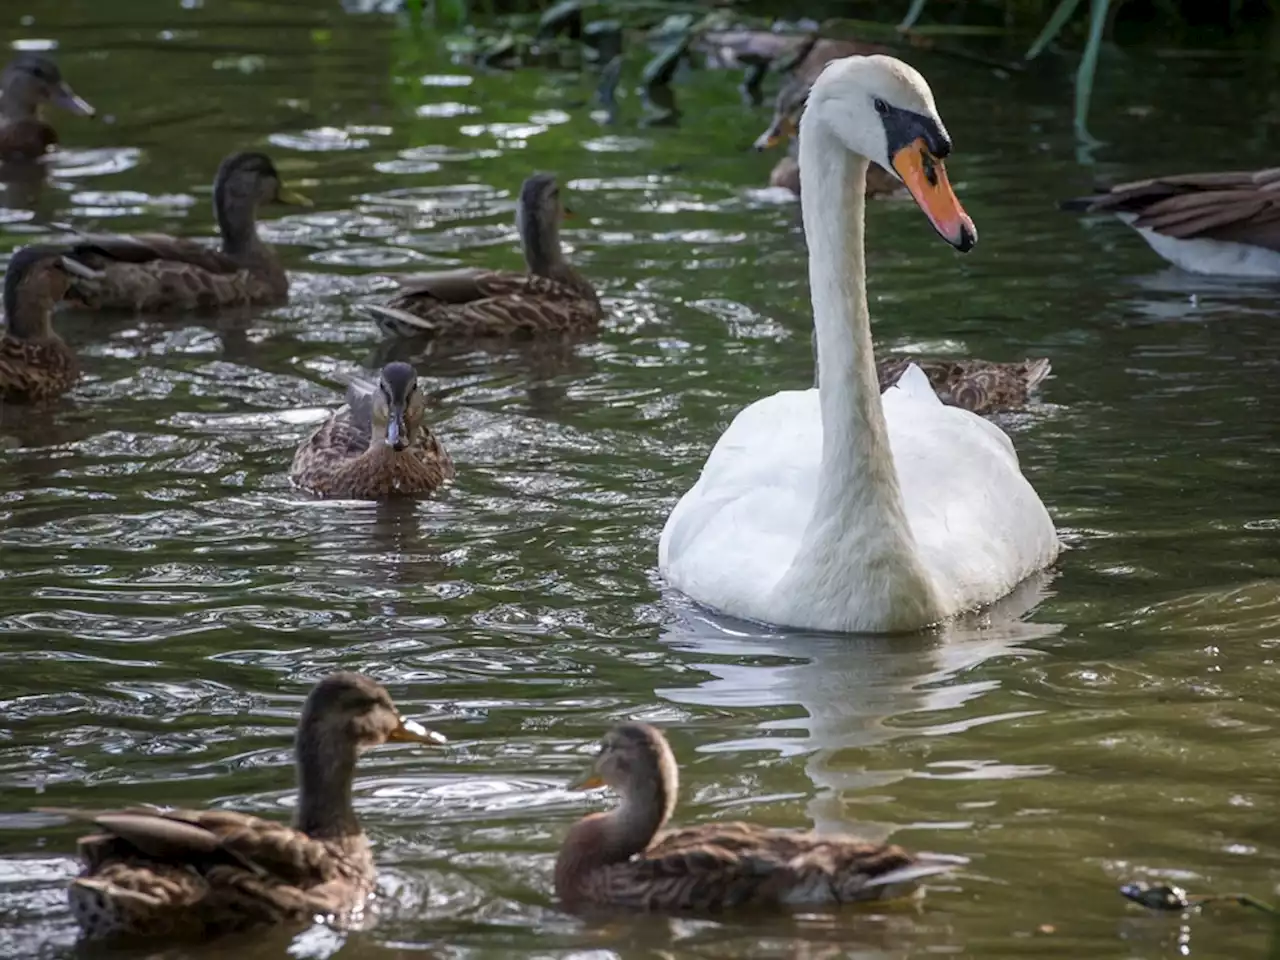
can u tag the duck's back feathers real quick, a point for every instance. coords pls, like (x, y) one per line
(980, 386)
(1235, 206)
(155, 271)
(724, 865)
(191, 873)
(488, 303)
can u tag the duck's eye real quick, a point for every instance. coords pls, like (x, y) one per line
(882, 108)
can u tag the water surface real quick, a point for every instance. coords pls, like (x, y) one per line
(166, 599)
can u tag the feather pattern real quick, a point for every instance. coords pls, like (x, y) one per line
(36, 365)
(622, 860)
(552, 297)
(198, 873)
(1226, 223)
(152, 272)
(350, 455)
(979, 386)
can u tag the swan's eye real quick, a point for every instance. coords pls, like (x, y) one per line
(882, 108)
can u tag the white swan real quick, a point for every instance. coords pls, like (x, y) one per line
(835, 508)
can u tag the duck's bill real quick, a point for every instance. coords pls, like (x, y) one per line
(926, 177)
(411, 731)
(591, 782)
(397, 436)
(780, 130)
(293, 198)
(68, 100)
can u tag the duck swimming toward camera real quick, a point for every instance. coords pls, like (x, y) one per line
(837, 508)
(377, 445)
(623, 859)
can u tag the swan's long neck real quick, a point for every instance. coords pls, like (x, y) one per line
(858, 550)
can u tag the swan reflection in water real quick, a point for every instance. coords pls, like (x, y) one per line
(850, 686)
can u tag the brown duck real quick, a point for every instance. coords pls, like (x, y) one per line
(154, 271)
(1224, 224)
(191, 874)
(785, 128)
(27, 84)
(35, 363)
(378, 445)
(621, 859)
(552, 298)
(980, 386)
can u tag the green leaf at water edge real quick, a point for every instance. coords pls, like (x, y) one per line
(913, 14)
(1089, 65)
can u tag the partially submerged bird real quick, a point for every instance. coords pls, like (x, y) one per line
(980, 386)
(784, 127)
(200, 873)
(377, 445)
(35, 363)
(1224, 224)
(622, 859)
(151, 272)
(27, 84)
(551, 298)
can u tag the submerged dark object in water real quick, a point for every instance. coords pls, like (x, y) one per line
(1170, 898)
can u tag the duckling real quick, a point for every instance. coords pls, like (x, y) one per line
(378, 445)
(620, 859)
(785, 127)
(153, 271)
(201, 873)
(551, 298)
(35, 363)
(29, 82)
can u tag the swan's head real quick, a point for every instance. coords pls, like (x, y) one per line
(881, 109)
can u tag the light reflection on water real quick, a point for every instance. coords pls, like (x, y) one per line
(167, 599)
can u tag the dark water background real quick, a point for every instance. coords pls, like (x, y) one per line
(166, 600)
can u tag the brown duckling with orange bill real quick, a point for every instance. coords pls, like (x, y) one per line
(153, 271)
(192, 874)
(551, 298)
(27, 84)
(621, 859)
(35, 363)
(377, 445)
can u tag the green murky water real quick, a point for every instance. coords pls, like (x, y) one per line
(166, 599)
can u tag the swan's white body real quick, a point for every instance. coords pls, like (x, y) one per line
(830, 508)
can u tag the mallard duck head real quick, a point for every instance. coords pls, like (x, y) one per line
(786, 113)
(32, 80)
(350, 708)
(636, 762)
(246, 181)
(539, 211)
(34, 281)
(398, 406)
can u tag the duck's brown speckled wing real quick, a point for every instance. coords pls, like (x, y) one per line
(488, 303)
(981, 386)
(189, 873)
(33, 371)
(1238, 206)
(725, 865)
(156, 272)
